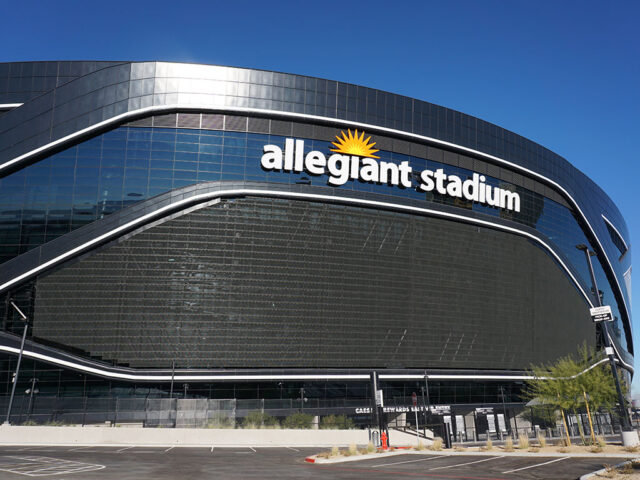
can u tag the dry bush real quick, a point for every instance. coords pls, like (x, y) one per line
(542, 440)
(595, 449)
(437, 444)
(533, 450)
(626, 469)
(420, 446)
(508, 445)
(631, 448)
(335, 451)
(600, 440)
(563, 450)
(523, 441)
(488, 445)
(370, 448)
(353, 450)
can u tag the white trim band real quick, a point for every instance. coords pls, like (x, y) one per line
(626, 247)
(241, 377)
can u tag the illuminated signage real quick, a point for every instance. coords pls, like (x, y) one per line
(354, 159)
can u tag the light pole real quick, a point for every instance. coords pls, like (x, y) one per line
(504, 410)
(15, 378)
(302, 399)
(624, 417)
(31, 392)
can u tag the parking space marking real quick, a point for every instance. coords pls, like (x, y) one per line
(253, 449)
(170, 448)
(294, 449)
(33, 466)
(467, 463)
(409, 461)
(537, 465)
(125, 448)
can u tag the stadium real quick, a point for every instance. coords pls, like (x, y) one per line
(180, 231)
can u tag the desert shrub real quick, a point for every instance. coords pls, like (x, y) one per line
(370, 447)
(55, 423)
(258, 419)
(631, 448)
(600, 440)
(221, 422)
(542, 440)
(595, 449)
(508, 445)
(523, 442)
(420, 446)
(335, 422)
(29, 423)
(437, 444)
(353, 450)
(626, 469)
(335, 451)
(298, 421)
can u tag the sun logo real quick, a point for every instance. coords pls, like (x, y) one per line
(354, 145)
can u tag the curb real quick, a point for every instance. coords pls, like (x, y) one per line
(587, 476)
(354, 458)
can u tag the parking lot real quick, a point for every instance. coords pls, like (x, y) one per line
(116, 463)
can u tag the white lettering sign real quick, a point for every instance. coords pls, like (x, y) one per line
(341, 168)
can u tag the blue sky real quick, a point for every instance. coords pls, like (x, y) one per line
(564, 74)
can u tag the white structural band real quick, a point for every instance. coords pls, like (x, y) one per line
(6, 106)
(626, 247)
(259, 111)
(240, 377)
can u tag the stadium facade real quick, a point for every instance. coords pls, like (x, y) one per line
(217, 232)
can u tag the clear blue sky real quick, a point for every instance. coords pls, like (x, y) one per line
(564, 74)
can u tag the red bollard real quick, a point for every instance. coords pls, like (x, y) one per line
(383, 438)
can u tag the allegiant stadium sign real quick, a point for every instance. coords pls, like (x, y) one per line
(354, 159)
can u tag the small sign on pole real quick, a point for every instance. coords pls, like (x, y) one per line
(414, 399)
(379, 398)
(602, 314)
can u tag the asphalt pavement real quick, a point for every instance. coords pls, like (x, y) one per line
(169, 463)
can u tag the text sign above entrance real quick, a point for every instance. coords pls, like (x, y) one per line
(601, 314)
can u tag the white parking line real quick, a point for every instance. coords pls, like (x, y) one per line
(294, 449)
(211, 448)
(125, 448)
(175, 447)
(537, 465)
(45, 466)
(253, 449)
(468, 463)
(409, 461)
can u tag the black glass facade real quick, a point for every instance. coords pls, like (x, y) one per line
(281, 283)
(288, 283)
